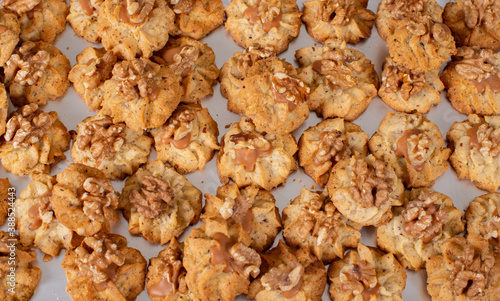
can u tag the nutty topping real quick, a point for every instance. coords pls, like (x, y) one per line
(136, 78)
(239, 210)
(404, 8)
(423, 218)
(416, 147)
(331, 147)
(338, 67)
(41, 212)
(475, 63)
(268, 13)
(252, 54)
(289, 90)
(172, 272)
(396, 77)
(248, 147)
(102, 137)
(371, 183)
(136, 11)
(101, 67)
(179, 127)
(358, 277)
(322, 223)
(96, 194)
(154, 196)
(235, 255)
(184, 60)
(182, 6)
(472, 273)
(20, 6)
(478, 12)
(27, 125)
(4, 255)
(28, 69)
(488, 139)
(426, 29)
(283, 277)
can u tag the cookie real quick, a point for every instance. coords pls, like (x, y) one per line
(196, 18)
(345, 20)
(251, 157)
(133, 28)
(483, 219)
(323, 145)
(269, 23)
(104, 268)
(467, 270)
(93, 67)
(476, 146)
(9, 34)
(188, 140)
(421, 44)
(83, 200)
(366, 274)
(36, 221)
(313, 222)
(364, 190)
(5, 193)
(474, 22)
(33, 141)
(342, 80)
(252, 208)
(4, 108)
(83, 18)
(418, 228)
(472, 81)
(409, 91)
(35, 73)
(159, 203)
(289, 274)
(140, 93)
(413, 146)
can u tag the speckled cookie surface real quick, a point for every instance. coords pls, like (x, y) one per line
(476, 148)
(9, 34)
(483, 219)
(83, 18)
(44, 21)
(159, 203)
(413, 146)
(342, 80)
(5, 195)
(4, 108)
(196, 18)
(331, 140)
(418, 228)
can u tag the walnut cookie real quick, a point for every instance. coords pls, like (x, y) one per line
(483, 219)
(35, 73)
(104, 268)
(312, 221)
(252, 208)
(418, 228)
(342, 80)
(472, 79)
(251, 157)
(413, 146)
(269, 23)
(33, 141)
(159, 203)
(474, 22)
(4, 108)
(409, 91)
(366, 274)
(140, 93)
(5, 192)
(83, 19)
(9, 34)
(196, 18)
(323, 145)
(345, 20)
(364, 190)
(476, 148)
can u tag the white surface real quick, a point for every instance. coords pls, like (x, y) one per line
(72, 110)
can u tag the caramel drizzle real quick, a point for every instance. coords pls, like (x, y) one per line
(87, 7)
(169, 55)
(161, 289)
(493, 81)
(180, 143)
(472, 133)
(369, 292)
(34, 212)
(252, 12)
(219, 254)
(248, 156)
(402, 148)
(3, 29)
(110, 272)
(279, 98)
(294, 290)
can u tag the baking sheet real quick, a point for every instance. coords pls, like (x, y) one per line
(72, 110)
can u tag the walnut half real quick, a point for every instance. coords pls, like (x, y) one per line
(285, 277)
(154, 196)
(337, 67)
(96, 195)
(27, 125)
(235, 256)
(475, 63)
(396, 77)
(487, 138)
(102, 137)
(371, 183)
(358, 277)
(136, 78)
(28, 68)
(331, 147)
(20, 6)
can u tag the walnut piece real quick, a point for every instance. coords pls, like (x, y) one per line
(184, 61)
(136, 78)
(423, 218)
(154, 196)
(98, 259)
(419, 149)
(284, 277)
(332, 147)
(101, 67)
(472, 273)
(102, 137)
(338, 67)
(28, 69)
(489, 140)
(479, 12)
(171, 268)
(358, 276)
(138, 10)
(252, 54)
(27, 125)
(20, 6)
(245, 260)
(322, 223)
(371, 183)
(268, 10)
(289, 90)
(404, 8)
(96, 195)
(179, 126)
(41, 212)
(396, 77)
(475, 63)
(428, 30)
(236, 209)
(182, 6)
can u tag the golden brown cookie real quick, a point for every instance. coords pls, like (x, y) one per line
(188, 140)
(289, 274)
(474, 22)
(36, 221)
(269, 23)
(409, 91)
(364, 190)
(252, 208)
(104, 268)
(4, 108)
(418, 228)
(83, 200)
(33, 141)
(112, 148)
(133, 28)
(483, 218)
(312, 221)
(196, 18)
(331, 140)
(345, 20)
(467, 270)
(159, 203)
(83, 18)
(476, 148)
(342, 80)
(413, 146)
(140, 93)
(35, 73)
(5, 198)
(251, 157)
(366, 274)
(472, 79)
(9, 34)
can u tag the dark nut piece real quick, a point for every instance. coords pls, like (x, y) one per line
(29, 126)
(102, 137)
(154, 196)
(372, 185)
(396, 77)
(26, 70)
(358, 277)
(96, 195)
(136, 78)
(331, 147)
(283, 277)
